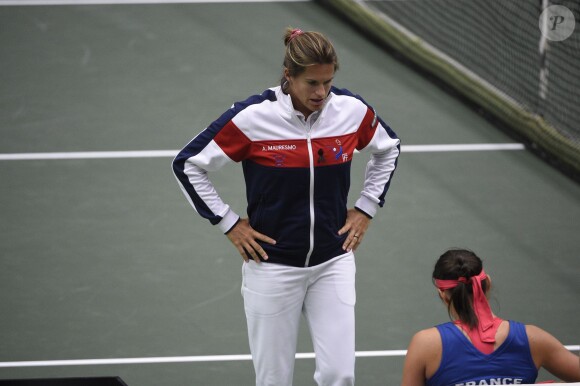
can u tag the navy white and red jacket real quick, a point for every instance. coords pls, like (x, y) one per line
(297, 172)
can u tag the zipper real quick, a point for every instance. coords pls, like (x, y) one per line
(311, 195)
(308, 129)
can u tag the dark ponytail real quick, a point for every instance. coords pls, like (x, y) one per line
(452, 265)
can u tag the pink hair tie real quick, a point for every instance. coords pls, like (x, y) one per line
(481, 307)
(295, 32)
(449, 284)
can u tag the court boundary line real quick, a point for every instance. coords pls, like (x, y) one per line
(173, 153)
(180, 359)
(200, 358)
(137, 2)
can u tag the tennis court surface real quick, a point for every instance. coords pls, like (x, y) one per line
(105, 269)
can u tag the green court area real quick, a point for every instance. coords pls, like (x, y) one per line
(102, 259)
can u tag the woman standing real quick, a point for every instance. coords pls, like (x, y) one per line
(296, 143)
(477, 347)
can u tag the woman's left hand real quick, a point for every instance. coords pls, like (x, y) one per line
(356, 225)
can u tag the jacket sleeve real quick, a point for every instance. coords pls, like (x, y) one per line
(213, 148)
(378, 139)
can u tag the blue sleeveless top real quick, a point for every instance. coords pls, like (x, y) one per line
(462, 364)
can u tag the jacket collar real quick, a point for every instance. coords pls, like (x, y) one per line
(287, 106)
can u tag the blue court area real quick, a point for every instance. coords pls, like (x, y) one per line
(107, 271)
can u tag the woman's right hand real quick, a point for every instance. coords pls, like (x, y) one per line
(244, 237)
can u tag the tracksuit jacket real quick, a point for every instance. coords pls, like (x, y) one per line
(297, 172)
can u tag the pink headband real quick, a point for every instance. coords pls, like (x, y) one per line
(480, 304)
(295, 32)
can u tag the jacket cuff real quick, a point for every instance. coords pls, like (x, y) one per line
(363, 212)
(228, 221)
(366, 206)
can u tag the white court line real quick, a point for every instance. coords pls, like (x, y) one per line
(203, 358)
(88, 155)
(462, 147)
(114, 2)
(173, 153)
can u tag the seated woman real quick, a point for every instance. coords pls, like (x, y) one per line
(477, 347)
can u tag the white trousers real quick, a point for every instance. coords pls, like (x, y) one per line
(276, 295)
